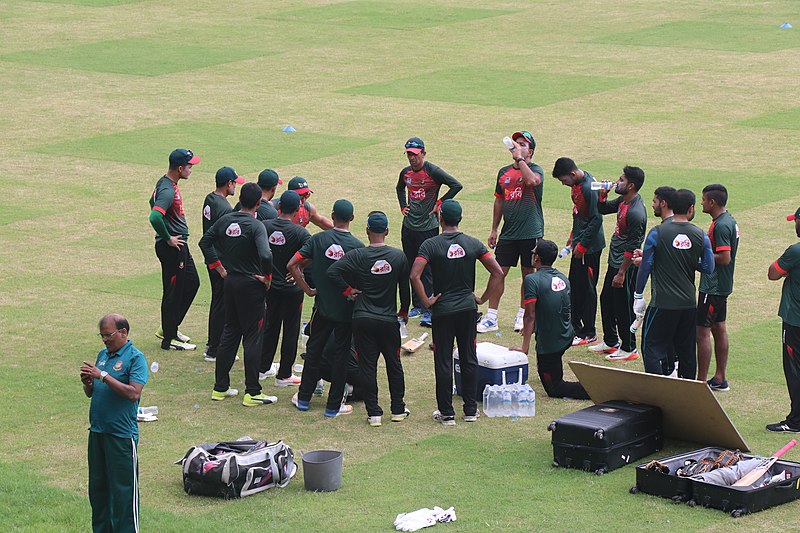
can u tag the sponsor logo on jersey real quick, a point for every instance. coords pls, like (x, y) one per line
(207, 212)
(682, 242)
(277, 238)
(557, 284)
(102, 363)
(508, 180)
(513, 194)
(408, 182)
(118, 366)
(416, 194)
(381, 267)
(737, 230)
(334, 252)
(233, 230)
(455, 252)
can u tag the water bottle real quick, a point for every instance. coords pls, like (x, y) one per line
(531, 401)
(564, 252)
(515, 394)
(403, 328)
(524, 401)
(487, 390)
(495, 401)
(507, 402)
(154, 367)
(508, 142)
(603, 185)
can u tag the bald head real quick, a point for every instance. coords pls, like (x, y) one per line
(115, 319)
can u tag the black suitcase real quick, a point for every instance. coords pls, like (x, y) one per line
(606, 436)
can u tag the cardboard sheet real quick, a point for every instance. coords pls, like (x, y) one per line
(691, 411)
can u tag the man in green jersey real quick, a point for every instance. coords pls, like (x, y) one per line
(712, 301)
(214, 207)
(787, 266)
(518, 203)
(587, 243)
(179, 280)
(547, 312)
(333, 314)
(240, 242)
(374, 274)
(114, 383)
(268, 181)
(616, 298)
(418, 194)
(454, 306)
(285, 298)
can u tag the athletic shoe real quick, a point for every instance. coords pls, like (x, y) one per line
(209, 358)
(713, 385)
(402, 416)
(425, 321)
(175, 344)
(374, 421)
(300, 404)
(444, 420)
(259, 399)
(602, 347)
(622, 355)
(287, 382)
(180, 336)
(348, 391)
(343, 410)
(320, 390)
(519, 322)
(415, 312)
(271, 373)
(487, 324)
(472, 418)
(782, 427)
(581, 341)
(219, 396)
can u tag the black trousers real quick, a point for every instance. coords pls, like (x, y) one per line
(322, 328)
(179, 283)
(216, 313)
(284, 309)
(245, 299)
(583, 275)
(791, 369)
(373, 338)
(411, 242)
(551, 371)
(665, 330)
(616, 308)
(448, 330)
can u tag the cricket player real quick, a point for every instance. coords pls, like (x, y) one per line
(179, 278)
(307, 212)
(547, 312)
(518, 203)
(787, 266)
(587, 243)
(375, 273)
(333, 314)
(236, 247)
(418, 195)
(454, 306)
(268, 181)
(214, 207)
(616, 298)
(712, 301)
(672, 252)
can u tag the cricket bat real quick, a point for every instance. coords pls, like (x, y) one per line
(636, 323)
(414, 344)
(753, 475)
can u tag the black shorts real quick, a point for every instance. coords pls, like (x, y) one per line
(711, 309)
(508, 252)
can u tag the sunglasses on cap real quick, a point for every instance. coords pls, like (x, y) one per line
(413, 144)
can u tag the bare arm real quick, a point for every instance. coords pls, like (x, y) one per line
(131, 391)
(317, 219)
(416, 283)
(495, 277)
(497, 215)
(295, 267)
(528, 326)
(775, 272)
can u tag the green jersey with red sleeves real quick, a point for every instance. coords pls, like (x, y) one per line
(724, 235)
(522, 204)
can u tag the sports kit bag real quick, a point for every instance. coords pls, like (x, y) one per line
(237, 469)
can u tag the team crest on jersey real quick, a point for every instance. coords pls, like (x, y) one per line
(334, 252)
(557, 284)
(118, 366)
(408, 182)
(277, 238)
(207, 212)
(682, 242)
(233, 230)
(455, 252)
(508, 180)
(381, 267)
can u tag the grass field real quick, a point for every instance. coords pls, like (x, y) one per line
(98, 92)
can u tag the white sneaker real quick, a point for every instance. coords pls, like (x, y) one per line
(287, 382)
(374, 421)
(181, 337)
(218, 396)
(444, 420)
(487, 324)
(622, 355)
(519, 322)
(175, 344)
(273, 370)
(602, 347)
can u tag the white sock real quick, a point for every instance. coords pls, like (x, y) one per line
(491, 314)
(520, 312)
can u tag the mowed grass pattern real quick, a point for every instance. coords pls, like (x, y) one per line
(95, 103)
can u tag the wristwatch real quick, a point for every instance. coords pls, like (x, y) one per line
(520, 160)
(103, 375)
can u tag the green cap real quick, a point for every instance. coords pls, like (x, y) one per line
(343, 210)
(451, 211)
(181, 157)
(226, 174)
(299, 185)
(289, 202)
(377, 222)
(268, 179)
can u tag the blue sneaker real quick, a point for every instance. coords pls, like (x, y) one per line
(714, 385)
(415, 312)
(300, 404)
(425, 321)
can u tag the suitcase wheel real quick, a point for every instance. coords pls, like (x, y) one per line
(691, 503)
(736, 513)
(600, 471)
(677, 499)
(555, 464)
(551, 426)
(599, 434)
(634, 490)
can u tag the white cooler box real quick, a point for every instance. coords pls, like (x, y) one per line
(493, 360)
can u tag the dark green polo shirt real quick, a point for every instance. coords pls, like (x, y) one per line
(109, 412)
(724, 235)
(214, 208)
(285, 239)
(549, 289)
(789, 265)
(240, 242)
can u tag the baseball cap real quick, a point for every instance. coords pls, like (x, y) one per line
(268, 178)
(299, 185)
(415, 145)
(343, 209)
(289, 202)
(795, 216)
(181, 156)
(451, 211)
(377, 222)
(527, 137)
(226, 174)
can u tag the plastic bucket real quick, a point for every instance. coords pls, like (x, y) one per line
(322, 470)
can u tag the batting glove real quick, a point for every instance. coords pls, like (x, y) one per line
(639, 305)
